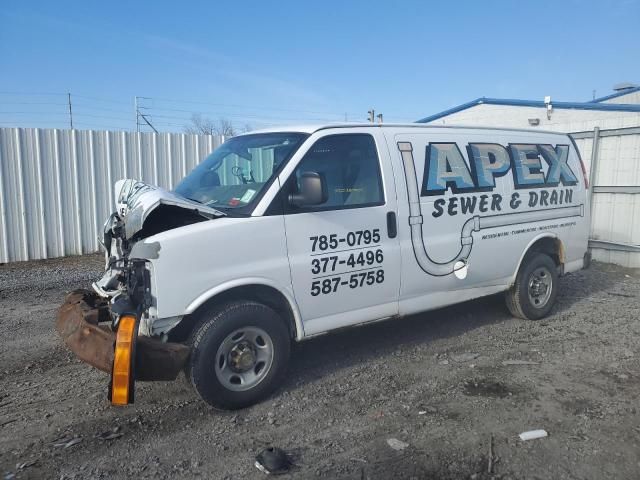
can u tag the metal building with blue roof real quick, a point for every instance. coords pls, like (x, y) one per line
(611, 154)
(618, 110)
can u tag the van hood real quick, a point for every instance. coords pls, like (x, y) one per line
(135, 200)
(142, 210)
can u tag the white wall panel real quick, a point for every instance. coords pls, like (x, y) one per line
(616, 216)
(631, 97)
(56, 186)
(562, 120)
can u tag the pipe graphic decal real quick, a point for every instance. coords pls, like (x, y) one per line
(495, 166)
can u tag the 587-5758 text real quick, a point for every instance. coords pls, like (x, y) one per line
(353, 280)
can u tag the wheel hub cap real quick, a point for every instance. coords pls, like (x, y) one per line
(241, 357)
(244, 358)
(538, 288)
(540, 284)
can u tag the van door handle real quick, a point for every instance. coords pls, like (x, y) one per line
(392, 226)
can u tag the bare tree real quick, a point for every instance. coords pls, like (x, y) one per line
(205, 126)
(201, 126)
(226, 128)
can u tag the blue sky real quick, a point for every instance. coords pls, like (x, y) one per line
(288, 61)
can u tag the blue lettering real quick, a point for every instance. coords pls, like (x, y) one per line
(527, 168)
(445, 168)
(489, 161)
(559, 169)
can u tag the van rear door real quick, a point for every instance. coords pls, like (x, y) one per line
(344, 253)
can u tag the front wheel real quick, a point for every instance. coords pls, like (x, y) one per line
(536, 287)
(239, 354)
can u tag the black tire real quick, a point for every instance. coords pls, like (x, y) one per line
(214, 326)
(518, 298)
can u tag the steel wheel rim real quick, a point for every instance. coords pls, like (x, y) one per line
(244, 358)
(539, 287)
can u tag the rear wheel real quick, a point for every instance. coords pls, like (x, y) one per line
(536, 287)
(239, 354)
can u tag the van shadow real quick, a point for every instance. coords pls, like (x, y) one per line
(328, 354)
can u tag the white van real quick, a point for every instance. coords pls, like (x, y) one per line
(284, 234)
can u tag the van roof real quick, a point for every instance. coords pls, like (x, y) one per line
(312, 128)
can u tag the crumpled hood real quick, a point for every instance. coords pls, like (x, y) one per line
(135, 200)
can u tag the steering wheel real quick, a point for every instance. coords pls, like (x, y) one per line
(237, 171)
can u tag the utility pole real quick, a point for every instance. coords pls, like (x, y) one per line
(372, 115)
(140, 115)
(135, 106)
(70, 111)
(144, 117)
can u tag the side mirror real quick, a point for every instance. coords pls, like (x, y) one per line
(313, 190)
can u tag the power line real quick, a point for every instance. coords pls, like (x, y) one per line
(171, 100)
(165, 109)
(32, 103)
(100, 125)
(246, 116)
(98, 99)
(32, 93)
(166, 112)
(182, 101)
(104, 109)
(64, 113)
(103, 116)
(258, 107)
(33, 113)
(16, 122)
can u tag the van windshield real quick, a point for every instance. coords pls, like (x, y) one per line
(238, 171)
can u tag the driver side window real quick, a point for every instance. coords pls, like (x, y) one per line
(349, 165)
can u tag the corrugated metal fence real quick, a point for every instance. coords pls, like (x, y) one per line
(614, 172)
(56, 186)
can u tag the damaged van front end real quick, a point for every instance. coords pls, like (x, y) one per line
(101, 326)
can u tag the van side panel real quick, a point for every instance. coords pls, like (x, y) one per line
(472, 201)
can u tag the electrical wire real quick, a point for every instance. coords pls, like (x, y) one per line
(256, 107)
(159, 111)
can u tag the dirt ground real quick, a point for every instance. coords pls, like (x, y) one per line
(437, 382)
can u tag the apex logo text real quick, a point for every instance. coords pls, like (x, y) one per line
(445, 167)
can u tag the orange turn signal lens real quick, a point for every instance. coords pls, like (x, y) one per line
(121, 380)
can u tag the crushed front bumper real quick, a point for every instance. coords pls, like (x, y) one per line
(78, 324)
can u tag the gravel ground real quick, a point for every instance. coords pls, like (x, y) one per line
(437, 382)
